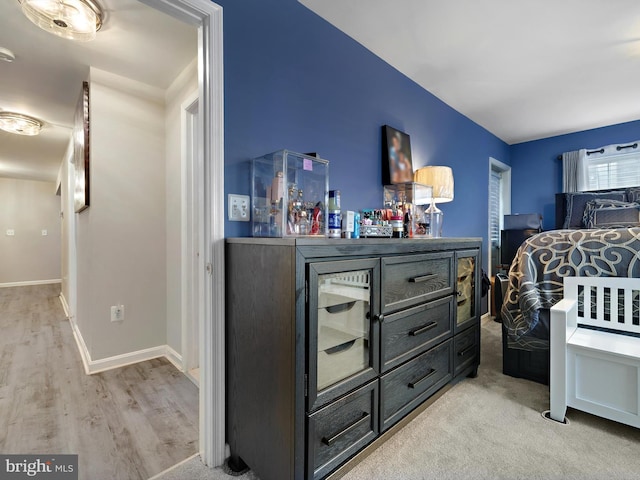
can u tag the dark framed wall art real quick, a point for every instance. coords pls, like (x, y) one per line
(397, 166)
(81, 151)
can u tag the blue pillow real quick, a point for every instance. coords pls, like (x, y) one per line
(612, 216)
(598, 204)
(577, 201)
(633, 194)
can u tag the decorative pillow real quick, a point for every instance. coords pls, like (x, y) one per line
(599, 203)
(633, 194)
(576, 203)
(612, 216)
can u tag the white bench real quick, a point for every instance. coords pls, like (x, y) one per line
(596, 371)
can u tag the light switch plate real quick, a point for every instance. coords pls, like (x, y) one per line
(11, 233)
(238, 207)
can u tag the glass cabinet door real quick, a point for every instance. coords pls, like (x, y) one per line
(343, 327)
(467, 270)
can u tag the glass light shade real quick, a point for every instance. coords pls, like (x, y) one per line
(20, 124)
(436, 219)
(72, 19)
(439, 178)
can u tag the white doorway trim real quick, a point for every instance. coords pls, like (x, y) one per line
(208, 17)
(192, 237)
(505, 199)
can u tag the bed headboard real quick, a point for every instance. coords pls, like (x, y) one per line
(573, 203)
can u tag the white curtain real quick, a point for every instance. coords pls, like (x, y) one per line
(574, 171)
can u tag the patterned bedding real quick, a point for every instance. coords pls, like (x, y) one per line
(535, 276)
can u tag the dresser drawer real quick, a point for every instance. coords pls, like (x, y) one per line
(339, 430)
(407, 386)
(466, 348)
(409, 332)
(410, 280)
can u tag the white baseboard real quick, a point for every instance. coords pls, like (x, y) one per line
(82, 347)
(31, 282)
(65, 305)
(117, 361)
(175, 358)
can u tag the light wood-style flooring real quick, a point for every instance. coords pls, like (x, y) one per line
(125, 424)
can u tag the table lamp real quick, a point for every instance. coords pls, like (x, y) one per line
(440, 178)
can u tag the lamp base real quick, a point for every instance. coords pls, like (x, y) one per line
(434, 218)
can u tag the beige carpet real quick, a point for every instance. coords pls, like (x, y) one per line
(489, 427)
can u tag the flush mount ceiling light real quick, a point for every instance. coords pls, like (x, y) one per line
(6, 55)
(72, 19)
(20, 124)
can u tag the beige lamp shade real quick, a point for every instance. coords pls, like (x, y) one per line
(438, 177)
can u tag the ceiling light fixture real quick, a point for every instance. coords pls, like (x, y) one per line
(6, 55)
(72, 19)
(20, 124)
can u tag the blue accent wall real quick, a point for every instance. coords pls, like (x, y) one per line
(294, 81)
(536, 172)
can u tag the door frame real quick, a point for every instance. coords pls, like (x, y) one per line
(192, 235)
(207, 16)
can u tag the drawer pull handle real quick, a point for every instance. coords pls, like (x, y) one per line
(334, 438)
(342, 307)
(419, 381)
(425, 328)
(462, 353)
(423, 278)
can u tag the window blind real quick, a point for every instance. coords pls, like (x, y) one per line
(614, 171)
(495, 210)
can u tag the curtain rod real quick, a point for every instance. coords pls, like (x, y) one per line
(621, 147)
(618, 148)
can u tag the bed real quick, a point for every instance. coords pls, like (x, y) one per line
(598, 235)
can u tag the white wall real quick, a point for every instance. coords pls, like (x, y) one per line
(121, 239)
(181, 89)
(28, 207)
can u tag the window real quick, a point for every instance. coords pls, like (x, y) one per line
(499, 206)
(495, 208)
(615, 170)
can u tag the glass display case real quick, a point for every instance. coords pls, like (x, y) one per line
(289, 195)
(410, 200)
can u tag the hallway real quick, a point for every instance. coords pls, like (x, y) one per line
(127, 423)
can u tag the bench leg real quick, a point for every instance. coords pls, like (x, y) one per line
(558, 409)
(562, 323)
(558, 382)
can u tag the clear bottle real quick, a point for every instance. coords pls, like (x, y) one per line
(408, 231)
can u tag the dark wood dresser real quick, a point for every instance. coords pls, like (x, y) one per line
(332, 344)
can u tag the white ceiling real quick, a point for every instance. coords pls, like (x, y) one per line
(523, 69)
(136, 41)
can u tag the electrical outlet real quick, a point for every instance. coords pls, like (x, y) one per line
(44, 233)
(117, 313)
(11, 233)
(238, 206)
